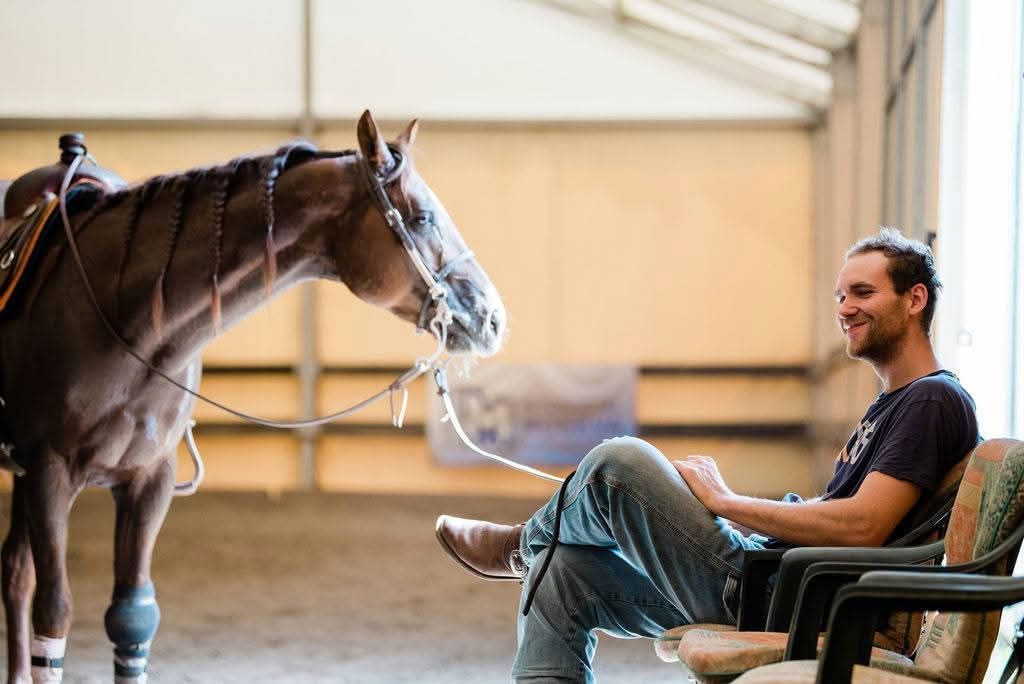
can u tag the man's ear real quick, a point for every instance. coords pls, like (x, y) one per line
(918, 298)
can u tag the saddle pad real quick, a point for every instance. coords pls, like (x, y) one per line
(18, 242)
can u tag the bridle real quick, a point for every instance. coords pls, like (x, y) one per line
(437, 295)
(437, 291)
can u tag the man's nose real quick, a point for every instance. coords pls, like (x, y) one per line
(845, 309)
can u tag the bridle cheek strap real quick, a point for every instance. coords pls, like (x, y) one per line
(439, 293)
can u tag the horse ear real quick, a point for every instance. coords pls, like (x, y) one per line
(408, 136)
(372, 144)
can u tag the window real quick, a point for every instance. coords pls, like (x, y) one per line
(980, 245)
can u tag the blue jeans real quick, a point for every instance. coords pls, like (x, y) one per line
(638, 554)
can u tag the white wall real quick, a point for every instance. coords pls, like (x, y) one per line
(452, 59)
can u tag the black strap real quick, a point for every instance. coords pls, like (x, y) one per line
(551, 549)
(43, 661)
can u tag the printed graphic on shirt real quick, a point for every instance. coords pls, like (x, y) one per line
(860, 441)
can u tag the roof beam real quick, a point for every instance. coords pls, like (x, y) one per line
(783, 21)
(748, 33)
(709, 54)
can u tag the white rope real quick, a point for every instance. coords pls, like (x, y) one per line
(441, 381)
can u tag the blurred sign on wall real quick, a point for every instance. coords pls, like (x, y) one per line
(549, 414)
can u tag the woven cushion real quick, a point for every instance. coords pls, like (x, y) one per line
(710, 653)
(956, 646)
(806, 671)
(666, 646)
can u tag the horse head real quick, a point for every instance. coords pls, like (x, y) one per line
(378, 259)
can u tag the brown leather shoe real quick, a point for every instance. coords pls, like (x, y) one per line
(487, 550)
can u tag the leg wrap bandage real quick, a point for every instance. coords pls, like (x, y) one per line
(48, 658)
(132, 621)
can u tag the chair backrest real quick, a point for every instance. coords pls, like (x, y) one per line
(989, 507)
(925, 524)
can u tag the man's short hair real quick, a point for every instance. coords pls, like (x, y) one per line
(910, 262)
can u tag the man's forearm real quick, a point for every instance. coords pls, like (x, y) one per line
(812, 523)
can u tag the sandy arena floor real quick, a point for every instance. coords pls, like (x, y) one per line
(314, 588)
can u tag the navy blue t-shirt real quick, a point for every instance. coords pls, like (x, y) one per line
(915, 433)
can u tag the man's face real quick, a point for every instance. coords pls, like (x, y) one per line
(874, 319)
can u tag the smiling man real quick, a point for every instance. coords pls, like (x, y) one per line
(645, 543)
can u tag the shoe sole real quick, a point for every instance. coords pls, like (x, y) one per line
(455, 557)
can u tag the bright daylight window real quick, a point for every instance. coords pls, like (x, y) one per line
(981, 246)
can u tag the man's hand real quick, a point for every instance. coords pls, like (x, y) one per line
(702, 477)
(865, 519)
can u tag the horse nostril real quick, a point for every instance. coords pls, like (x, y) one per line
(496, 322)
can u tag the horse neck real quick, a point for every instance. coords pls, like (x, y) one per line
(209, 279)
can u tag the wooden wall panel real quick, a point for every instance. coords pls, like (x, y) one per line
(721, 400)
(404, 465)
(593, 235)
(273, 396)
(340, 391)
(266, 462)
(137, 153)
(685, 249)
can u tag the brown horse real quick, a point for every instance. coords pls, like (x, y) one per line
(172, 261)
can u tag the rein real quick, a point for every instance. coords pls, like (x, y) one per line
(437, 295)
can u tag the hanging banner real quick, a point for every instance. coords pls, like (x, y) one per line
(544, 414)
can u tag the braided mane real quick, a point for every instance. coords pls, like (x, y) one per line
(186, 189)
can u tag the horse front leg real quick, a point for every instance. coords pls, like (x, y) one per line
(19, 579)
(133, 616)
(49, 493)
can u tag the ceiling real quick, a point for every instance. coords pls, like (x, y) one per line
(783, 47)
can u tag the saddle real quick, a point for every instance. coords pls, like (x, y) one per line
(30, 206)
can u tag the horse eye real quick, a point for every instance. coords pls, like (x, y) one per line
(423, 219)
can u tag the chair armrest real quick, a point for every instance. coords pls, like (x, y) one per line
(796, 562)
(859, 608)
(758, 567)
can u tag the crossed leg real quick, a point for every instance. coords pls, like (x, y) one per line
(639, 553)
(133, 616)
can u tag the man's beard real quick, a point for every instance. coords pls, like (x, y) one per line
(882, 341)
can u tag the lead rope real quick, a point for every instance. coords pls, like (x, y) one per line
(441, 380)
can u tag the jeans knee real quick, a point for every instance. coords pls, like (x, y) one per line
(623, 457)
